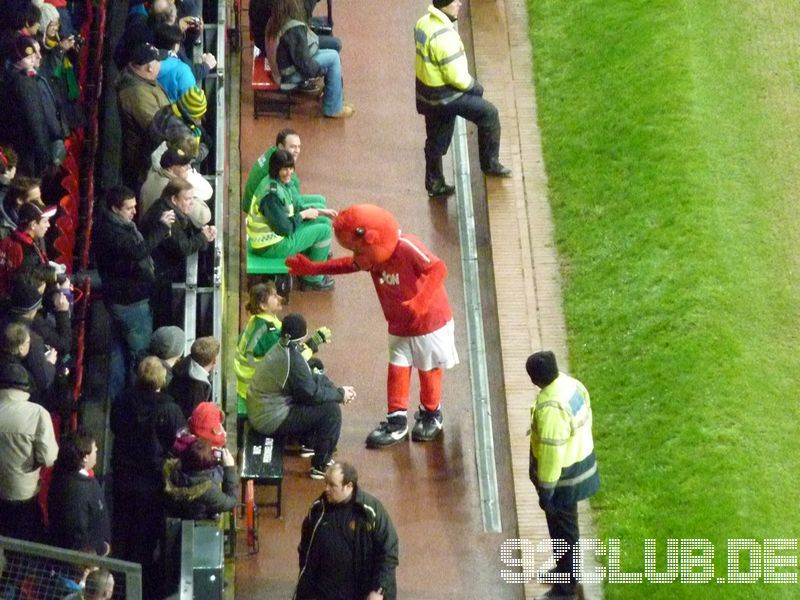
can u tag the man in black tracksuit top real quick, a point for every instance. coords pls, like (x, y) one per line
(348, 546)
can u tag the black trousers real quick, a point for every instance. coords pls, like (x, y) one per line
(22, 520)
(320, 424)
(562, 524)
(439, 125)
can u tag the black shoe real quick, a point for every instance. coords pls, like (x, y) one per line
(428, 425)
(388, 433)
(497, 170)
(441, 190)
(326, 285)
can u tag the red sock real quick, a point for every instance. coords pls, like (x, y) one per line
(398, 388)
(430, 389)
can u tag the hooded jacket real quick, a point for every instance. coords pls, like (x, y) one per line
(190, 385)
(374, 550)
(195, 495)
(157, 179)
(281, 379)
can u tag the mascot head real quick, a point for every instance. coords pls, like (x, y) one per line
(369, 231)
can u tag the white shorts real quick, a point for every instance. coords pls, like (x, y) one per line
(435, 350)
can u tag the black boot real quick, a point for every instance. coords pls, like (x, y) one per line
(434, 178)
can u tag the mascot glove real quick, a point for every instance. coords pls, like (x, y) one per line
(300, 265)
(322, 335)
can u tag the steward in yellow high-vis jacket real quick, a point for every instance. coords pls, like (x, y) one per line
(562, 462)
(445, 90)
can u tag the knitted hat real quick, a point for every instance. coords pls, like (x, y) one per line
(23, 46)
(14, 376)
(49, 14)
(143, 54)
(193, 103)
(24, 298)
(206, 423)
(294, 325)
(441, 3)
(33, 211)
(168, 342)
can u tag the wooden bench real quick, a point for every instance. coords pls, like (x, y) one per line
(268, 96)
(274, 268)
(262, 464)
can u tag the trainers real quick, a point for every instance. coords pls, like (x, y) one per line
(348, 110)
(388, 433)
(428, 425)
(315, 473)
(497, 170)
(441, 190)
(325, 285)
(313, 87)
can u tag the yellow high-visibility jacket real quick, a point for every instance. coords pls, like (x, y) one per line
(562, 461)
(441, 64)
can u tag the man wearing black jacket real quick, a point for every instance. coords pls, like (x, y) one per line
(125, 265)
(287, 398)
(348, 545)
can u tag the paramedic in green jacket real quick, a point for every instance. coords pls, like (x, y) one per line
(279, 227)
(289, 140)
(562, 462)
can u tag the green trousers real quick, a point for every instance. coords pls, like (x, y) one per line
(312, 238)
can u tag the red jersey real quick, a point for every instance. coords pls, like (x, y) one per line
(398, 280)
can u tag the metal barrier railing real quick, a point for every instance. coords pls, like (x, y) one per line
(32, 571)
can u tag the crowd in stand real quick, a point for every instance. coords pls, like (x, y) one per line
(168, 454)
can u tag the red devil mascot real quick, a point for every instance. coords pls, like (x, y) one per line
(409, 281)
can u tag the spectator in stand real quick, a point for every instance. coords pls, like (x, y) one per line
(125, 265)
(183, 117)
(170, 163)
(208, 423)
(23, 303)
(57, 67)
(298, 56)
(261, 10)
(77, 514)
(25, 246)
(175, 75)
(168, 343)
(144, 422)
(27, 443)
(24, 18)
(33, 124)
(277, 227)
(64, 14)
(286, 398)
(139, 98)
(8, 170)
(261, 333)
(189, 486)
(169, 256)
(22, 189)
(289, 140)
(191, 381)
(99, 586)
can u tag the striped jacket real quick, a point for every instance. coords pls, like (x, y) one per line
(562, 461)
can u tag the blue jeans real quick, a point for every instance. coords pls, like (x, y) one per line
(332, 68)
(135, 323)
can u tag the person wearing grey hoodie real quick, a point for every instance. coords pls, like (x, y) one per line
(287, 398)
